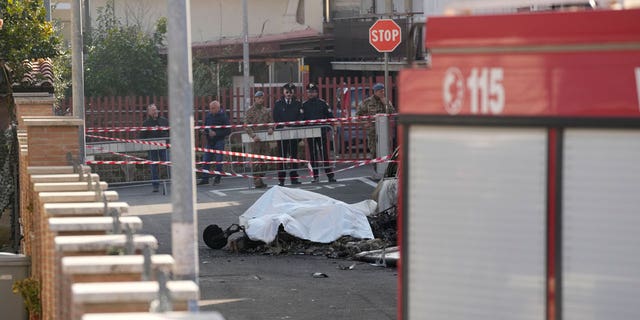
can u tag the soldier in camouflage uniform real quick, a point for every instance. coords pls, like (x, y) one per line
(377, 103)
(258, 113)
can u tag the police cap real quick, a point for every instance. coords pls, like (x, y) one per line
(312, 87)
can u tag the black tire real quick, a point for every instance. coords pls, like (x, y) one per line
(214, 237)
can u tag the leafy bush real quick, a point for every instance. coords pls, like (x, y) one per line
(123, 60)
(26, 34)
(29, 289)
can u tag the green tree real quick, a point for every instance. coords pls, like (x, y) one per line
(123, 59)
(205, 78)
(25, 33)
(62, 78)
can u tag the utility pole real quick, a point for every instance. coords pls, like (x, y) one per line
(389, 14)
(382, 123)
(389, 8)
(87, 17)
(184, 223)
(245, 56)
(77, 72)
(47, 6)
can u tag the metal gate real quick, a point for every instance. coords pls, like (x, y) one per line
(319, 138)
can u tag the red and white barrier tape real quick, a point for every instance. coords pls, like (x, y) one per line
(115, 153)
(271, 124)
(229, 153)
(359, 164)
(214, 172)
(152, 143)
(366, 162)
(168, 163)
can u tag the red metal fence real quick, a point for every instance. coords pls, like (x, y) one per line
(130, 111)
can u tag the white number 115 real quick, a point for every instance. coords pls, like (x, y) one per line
(486, 90)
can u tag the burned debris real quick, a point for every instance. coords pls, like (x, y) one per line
(234, 239)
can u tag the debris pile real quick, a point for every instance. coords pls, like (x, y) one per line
(383, 225)
(285, 221)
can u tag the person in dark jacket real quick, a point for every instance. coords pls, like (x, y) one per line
(215, 140)
(313, 109)
(154, 119)
(288, 108)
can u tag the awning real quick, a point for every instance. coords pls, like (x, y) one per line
(367, 65)
(301, 43)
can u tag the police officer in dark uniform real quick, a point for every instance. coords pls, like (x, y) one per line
(313, 109)
(288, 108)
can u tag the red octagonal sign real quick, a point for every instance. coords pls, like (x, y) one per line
(385, 35)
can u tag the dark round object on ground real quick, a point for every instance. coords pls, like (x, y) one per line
(214, 237)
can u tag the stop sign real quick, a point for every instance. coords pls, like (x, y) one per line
(385, 35)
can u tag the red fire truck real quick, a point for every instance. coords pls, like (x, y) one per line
(520, 168)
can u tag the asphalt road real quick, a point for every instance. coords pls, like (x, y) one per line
(244, 286)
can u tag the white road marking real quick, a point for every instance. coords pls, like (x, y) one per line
(203, 303)
(305, 185)
(165, 208)
(252, 191)
(368, 181)
(311, 187)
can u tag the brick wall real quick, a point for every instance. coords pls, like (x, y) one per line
(50, 139)
(44, 159)
(28, 106)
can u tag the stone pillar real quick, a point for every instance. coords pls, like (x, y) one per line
(33, 104)
(50, 139)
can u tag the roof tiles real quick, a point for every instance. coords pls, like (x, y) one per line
(39, 79)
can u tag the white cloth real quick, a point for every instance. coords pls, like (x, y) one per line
(306, 215)
(387, 196)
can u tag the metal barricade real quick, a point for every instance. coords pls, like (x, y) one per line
(126, 151)
(309, 138)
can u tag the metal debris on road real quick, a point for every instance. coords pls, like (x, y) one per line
(343, 267)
